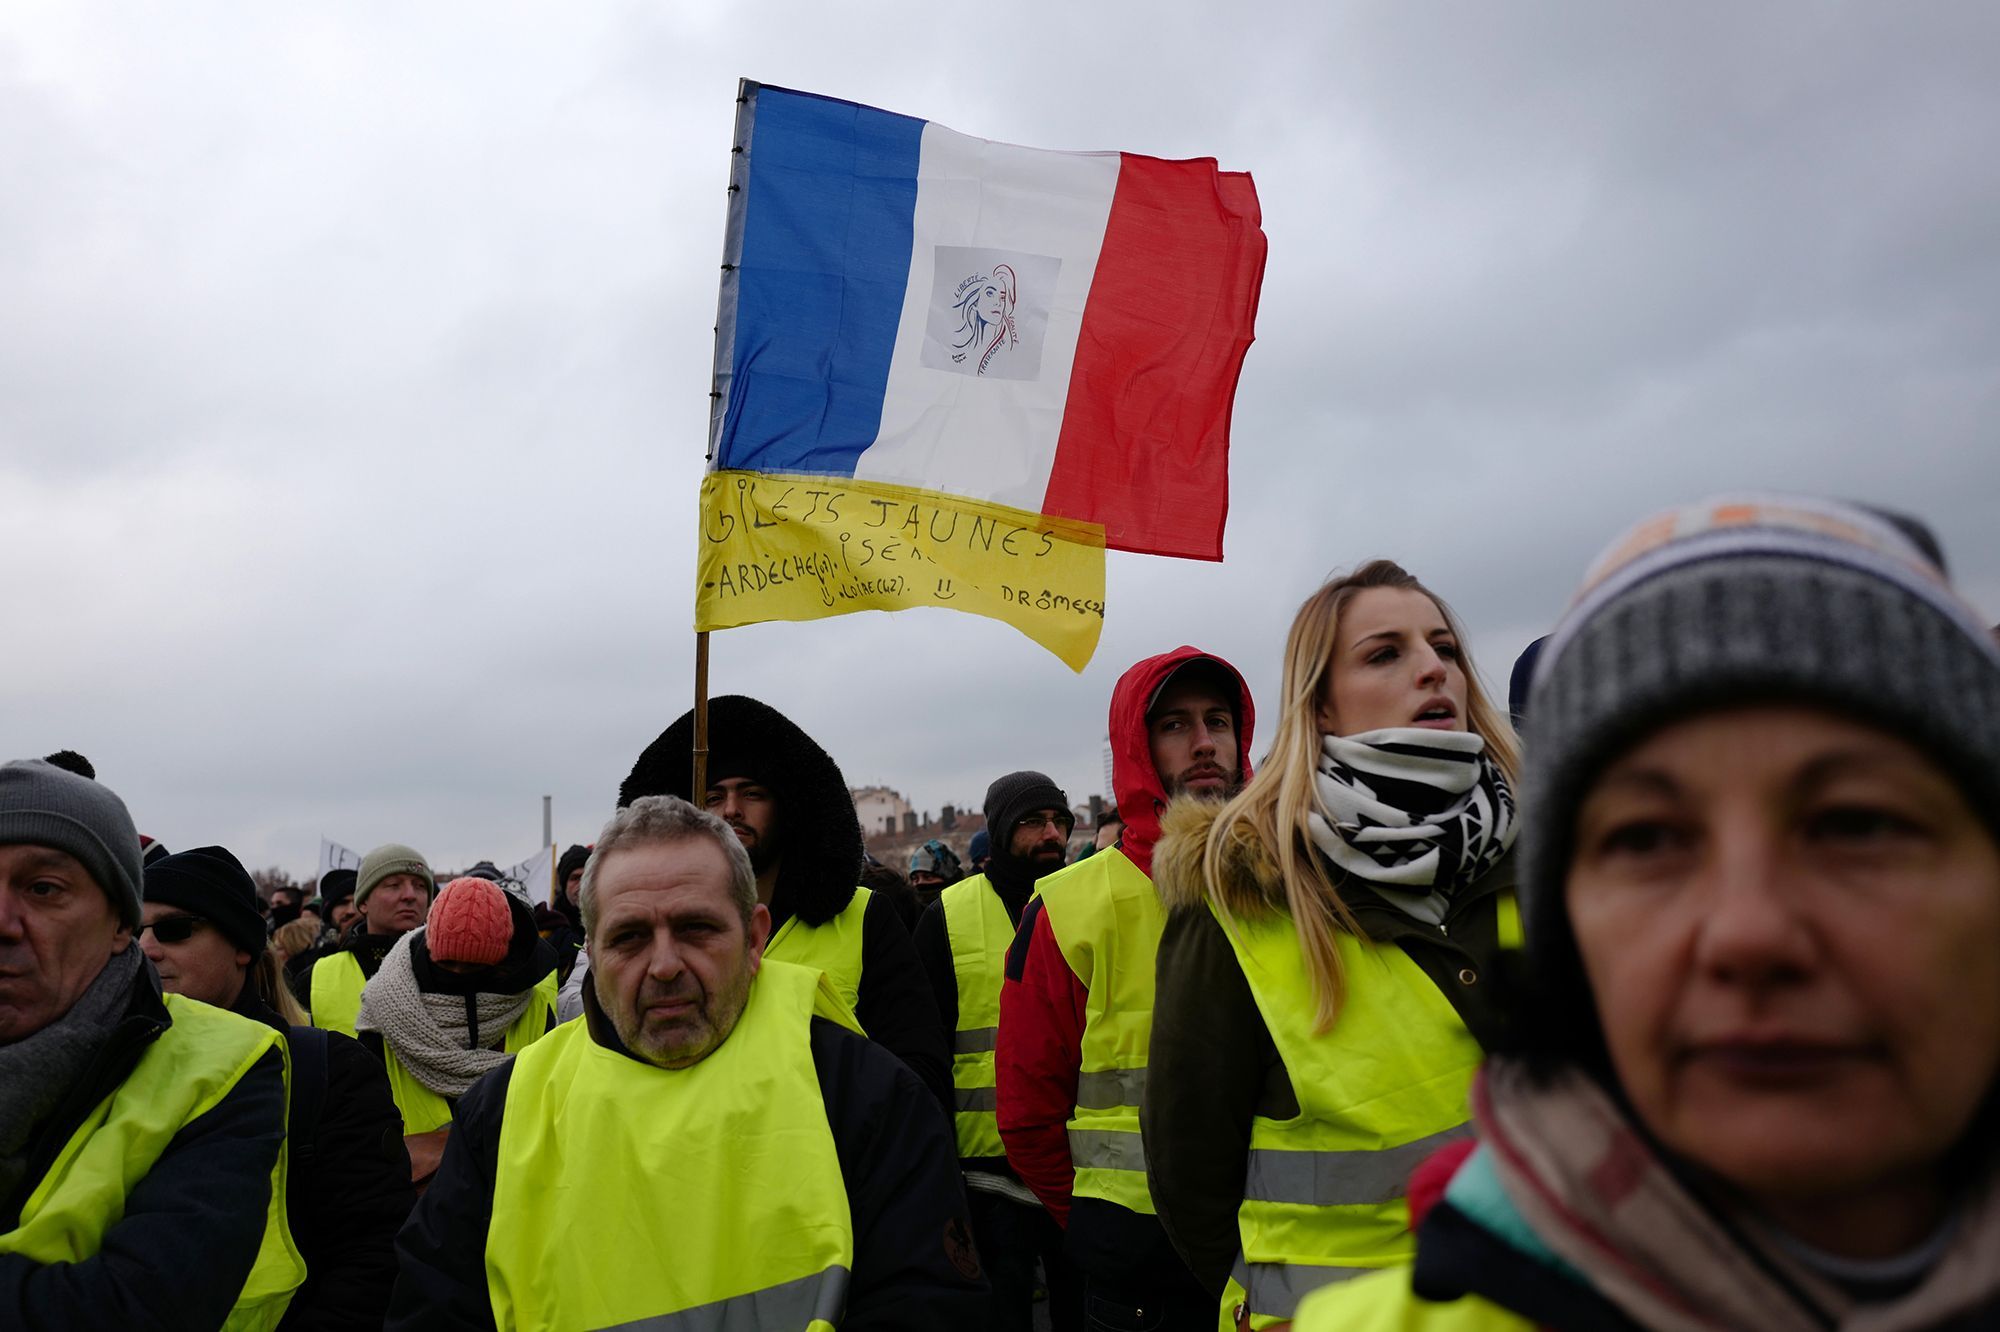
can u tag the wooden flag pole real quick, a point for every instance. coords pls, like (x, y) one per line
(700, 788)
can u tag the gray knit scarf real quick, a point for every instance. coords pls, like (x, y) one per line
(1414, 813)
(430, 1033)
(37, 1071)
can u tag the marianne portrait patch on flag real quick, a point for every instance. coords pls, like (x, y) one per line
(989, 312)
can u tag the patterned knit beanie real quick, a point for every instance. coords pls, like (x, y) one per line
(470, 922)
(389, 858)
(1741, 599)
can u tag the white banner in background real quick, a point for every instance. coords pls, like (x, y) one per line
(535, 875)
(333, 856)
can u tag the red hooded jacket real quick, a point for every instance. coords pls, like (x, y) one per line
(1042, 1000)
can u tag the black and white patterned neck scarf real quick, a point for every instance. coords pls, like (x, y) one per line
(1415, 813)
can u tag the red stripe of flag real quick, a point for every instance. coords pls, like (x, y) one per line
(1144, 448)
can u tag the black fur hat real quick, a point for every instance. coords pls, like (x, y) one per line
(821, 834)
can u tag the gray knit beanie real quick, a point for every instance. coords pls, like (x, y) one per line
(44, 805)
(1740, 599)
(390, 858)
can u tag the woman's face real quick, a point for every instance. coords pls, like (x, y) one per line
(1789, 922)
(992, 303)
(1395, 663)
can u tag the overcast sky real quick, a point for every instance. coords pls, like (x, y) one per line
(354, 359)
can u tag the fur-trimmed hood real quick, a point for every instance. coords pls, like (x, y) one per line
(820, 830)
(1251, 879)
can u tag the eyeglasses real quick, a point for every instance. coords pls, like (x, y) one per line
(1062, 823)
(174, 929)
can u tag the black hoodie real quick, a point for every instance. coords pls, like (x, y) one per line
(822, 862)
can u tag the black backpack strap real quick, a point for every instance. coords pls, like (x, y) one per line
(309, 1047)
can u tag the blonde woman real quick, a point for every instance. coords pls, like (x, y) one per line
(1324, 978)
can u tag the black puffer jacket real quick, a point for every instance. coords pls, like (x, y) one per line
(821, 867)
(347, 1190)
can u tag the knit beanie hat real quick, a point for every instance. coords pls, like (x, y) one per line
(211, 883)
(980, 847)
(389, 858)
(336, 886)
(42, 805)
(1014, 795)
(1743, 599)
(572, 860)
(470, 922)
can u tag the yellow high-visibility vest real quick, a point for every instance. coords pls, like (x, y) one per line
(1107, 920)
(834, 948)
(423, 1110)
(1384, 1302)
(183, 1075)
(337, 983)
(1324, 1193)
(976, 925)
(718, 1198)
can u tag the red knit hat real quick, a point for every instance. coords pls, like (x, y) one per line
(470, 922)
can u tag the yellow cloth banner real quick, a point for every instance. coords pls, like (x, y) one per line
(781, 547)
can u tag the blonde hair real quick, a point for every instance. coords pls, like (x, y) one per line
(1273, 808)
(268, 975)
(295, 937)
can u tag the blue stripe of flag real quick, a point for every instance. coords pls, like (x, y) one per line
(827, 233)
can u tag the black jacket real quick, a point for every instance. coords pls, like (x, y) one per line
(178, 1257)
(348, 1189)
(914, 1265)
(822, 863)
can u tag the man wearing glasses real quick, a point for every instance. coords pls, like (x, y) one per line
(1076, 1008)
(141, 1135)
(962, 942)
(347, 1189)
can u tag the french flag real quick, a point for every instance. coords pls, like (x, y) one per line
(1054, 331)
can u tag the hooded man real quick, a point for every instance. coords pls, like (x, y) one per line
(454, 998)
(788, 804)
(962, 942)
(392, 890)
(348, 1188)
(141, 1135)
(1076, 1007)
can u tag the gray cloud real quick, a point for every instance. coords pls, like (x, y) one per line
(354, 382)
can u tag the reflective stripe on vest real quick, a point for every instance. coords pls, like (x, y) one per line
(818, 1300)
(976, 927)
(732, 1151)
(1381, 1091)
(1384, 1302)
(422, 1109)
(337, 983)
(1107, 920)
(1341, 1179)
(834, 948)
(182, 1075)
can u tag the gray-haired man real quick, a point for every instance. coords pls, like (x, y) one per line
(794, 1169)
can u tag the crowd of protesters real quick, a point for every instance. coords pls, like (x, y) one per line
(1678, 1009)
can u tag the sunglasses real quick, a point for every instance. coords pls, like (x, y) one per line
(174, 929)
